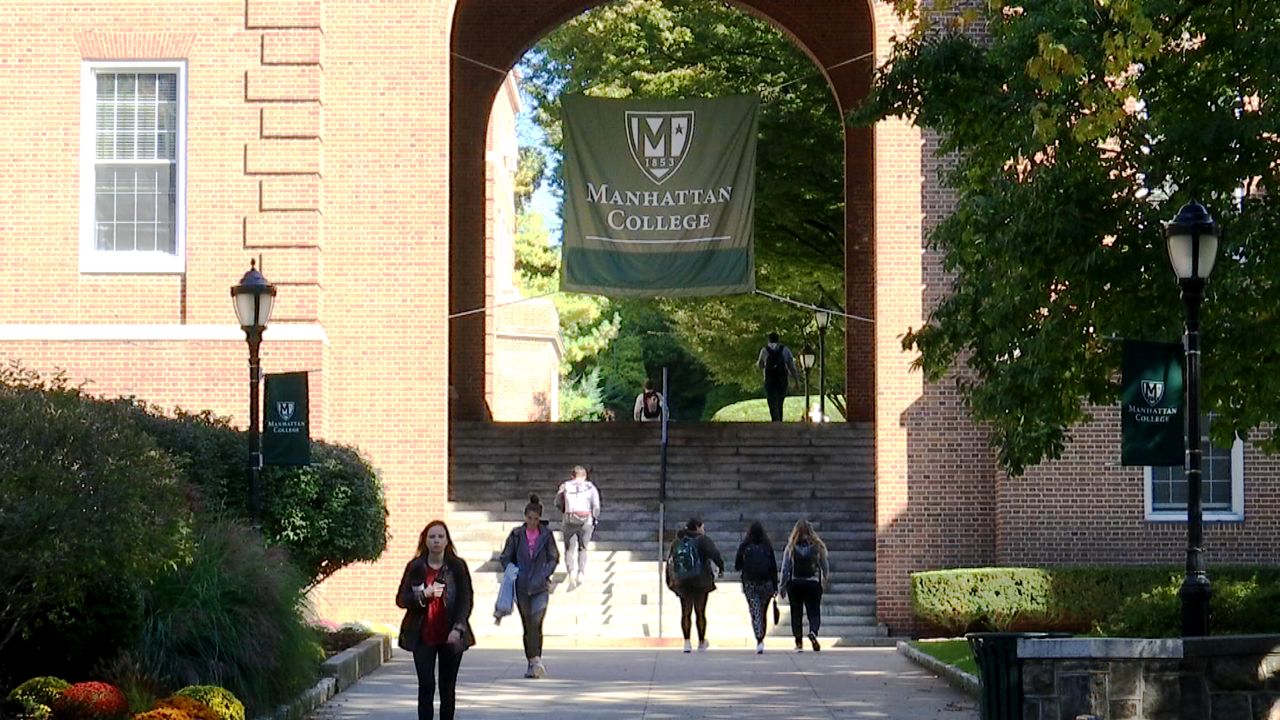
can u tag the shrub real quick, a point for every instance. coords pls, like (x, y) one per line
(35, 696)
(221, 700)
(232, 615)
(1138, 601)
(327, 515)
(90, 701)
(193, 708)
(125, 671)
(96, 509)
(163, 713)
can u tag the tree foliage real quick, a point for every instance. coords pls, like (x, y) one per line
(703, 48)
(1072, 130)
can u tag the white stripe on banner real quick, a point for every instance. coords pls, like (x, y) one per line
(624, 241)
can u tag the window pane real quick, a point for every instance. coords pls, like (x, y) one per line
(136, 119)
(146, 237)
(147, 88)
(166, 241)
(105, 239)
(125, 236)
(126, 87)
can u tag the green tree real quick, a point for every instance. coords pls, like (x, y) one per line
(1072, 130)
(588, 323)
(703, 48)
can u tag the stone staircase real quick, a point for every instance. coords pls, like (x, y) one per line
(728, 474)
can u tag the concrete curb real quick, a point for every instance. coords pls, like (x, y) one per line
(339, 673)
(956, 678)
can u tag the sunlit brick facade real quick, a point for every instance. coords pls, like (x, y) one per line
(343, 142)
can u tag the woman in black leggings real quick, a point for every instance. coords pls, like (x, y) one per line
(805, 574)
(692, 577)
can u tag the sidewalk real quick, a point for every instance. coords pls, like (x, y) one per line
(665, 684)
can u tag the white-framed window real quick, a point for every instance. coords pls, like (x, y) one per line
(133, 167)
(1221, 484)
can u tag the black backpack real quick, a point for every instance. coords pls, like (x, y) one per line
(756, 563)
(775, 365)
(651, 398)
(804, 561)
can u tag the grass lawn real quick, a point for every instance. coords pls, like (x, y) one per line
(951, 652)
(758, 411)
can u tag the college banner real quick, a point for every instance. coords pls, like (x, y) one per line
(1151, 404)
(286, 428)
(659, 196)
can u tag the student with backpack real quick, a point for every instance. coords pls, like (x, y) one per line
(777, 362)
(758, 570)
(691, 576)
(650, 405)
(532, 547)
(579, 501)
(805, 574)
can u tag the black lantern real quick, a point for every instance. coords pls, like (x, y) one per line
(254, 298)
(1192, 239)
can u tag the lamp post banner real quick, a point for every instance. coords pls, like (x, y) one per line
(286, 431)
(1152, 429)
(659, 196)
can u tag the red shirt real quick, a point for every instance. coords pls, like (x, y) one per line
(435, 629)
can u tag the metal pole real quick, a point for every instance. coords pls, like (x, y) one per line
(1196, 590)
(804, 416)
(662, 497)
(254, 337)
(822, 374)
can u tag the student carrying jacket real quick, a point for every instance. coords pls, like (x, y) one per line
(532, 547)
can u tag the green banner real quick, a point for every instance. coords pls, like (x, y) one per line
(286, 427)
(659, 196)
(1152, 430)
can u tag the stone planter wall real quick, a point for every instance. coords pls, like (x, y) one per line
(1218, 678)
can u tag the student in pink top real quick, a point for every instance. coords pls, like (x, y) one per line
(532, 547)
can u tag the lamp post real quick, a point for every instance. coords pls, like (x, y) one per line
(806, 362)
(253, 299)
(1192, 239)
(822, 318)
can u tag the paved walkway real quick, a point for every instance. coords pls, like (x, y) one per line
(665, 684)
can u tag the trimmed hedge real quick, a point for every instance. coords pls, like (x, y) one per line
(1138, 601)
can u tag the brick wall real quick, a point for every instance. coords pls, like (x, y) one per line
(1087, 508)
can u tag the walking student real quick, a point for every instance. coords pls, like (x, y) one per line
(650, 405)
(759, 573)
(805, 574)
(532, 547)
(778, 364)
(691, 576)
(579, 501)
(435, 592)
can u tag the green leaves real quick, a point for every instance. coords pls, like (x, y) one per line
(1072, 132)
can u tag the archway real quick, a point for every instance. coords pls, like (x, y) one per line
(489, 38)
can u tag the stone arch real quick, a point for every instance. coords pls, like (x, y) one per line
(490, 36)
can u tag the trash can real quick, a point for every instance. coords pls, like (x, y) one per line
(1000, 670)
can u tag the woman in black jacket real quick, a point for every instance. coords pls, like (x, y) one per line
(532, 547)
(692, 577)
(436, 594)
(759, 573)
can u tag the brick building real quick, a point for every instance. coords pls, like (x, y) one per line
(154, 147)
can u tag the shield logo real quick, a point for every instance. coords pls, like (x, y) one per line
(285, 410)
(1152, 391)
(659, 141)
